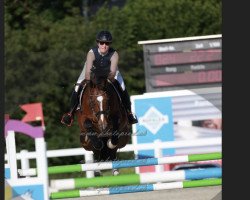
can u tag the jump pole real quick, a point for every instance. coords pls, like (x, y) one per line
(136, 188)
(123, 164)
(133, 179)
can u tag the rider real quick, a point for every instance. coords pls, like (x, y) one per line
(105, 57)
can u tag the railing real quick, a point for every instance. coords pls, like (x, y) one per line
(207, 145)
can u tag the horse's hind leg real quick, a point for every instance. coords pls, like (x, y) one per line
(97, 158)
(108, 154)
(113, 156)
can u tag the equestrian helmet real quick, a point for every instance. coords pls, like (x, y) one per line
(104, 36)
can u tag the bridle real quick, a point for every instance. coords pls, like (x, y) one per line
(99, 97)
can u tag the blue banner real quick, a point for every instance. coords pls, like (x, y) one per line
(155, 123)
(34, 192)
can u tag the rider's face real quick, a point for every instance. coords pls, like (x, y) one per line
(103, 47)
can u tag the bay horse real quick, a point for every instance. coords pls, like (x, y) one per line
(102, 118)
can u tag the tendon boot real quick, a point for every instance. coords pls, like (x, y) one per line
(132, 119)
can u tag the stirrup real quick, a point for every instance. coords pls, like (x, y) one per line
(67, 119)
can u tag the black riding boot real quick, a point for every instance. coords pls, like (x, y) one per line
(126, 99)
(126, 102)
(68, 118)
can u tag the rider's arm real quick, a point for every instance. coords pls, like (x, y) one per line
(113, 66)
(89, 64)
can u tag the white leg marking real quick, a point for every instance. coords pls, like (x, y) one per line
(110, 145)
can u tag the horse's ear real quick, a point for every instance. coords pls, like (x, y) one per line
(92, 75)
(92, 71)
(99, 72)
(106, 72)
(84, 82)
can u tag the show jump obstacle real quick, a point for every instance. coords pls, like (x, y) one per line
(38, 186)
(123, 164)
(29, 187)
(136, 188)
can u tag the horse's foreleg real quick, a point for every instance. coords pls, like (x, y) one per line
(113, 141)
(95, 141)
(86, 143)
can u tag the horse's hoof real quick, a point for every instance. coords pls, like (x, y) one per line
(110, 145)
(115, 172)
(97, 173)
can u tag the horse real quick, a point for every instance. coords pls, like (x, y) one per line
(102, 118)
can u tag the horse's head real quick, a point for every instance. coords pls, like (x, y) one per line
(98, 98)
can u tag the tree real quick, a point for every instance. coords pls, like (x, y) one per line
(46, 43)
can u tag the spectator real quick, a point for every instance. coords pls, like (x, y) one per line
(212, 123)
